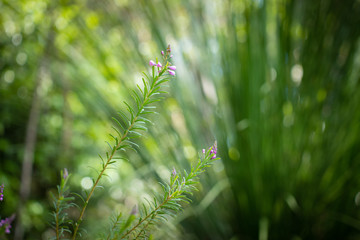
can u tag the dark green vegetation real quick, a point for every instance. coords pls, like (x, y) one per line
(276, 83)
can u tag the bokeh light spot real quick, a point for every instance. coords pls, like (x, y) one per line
(86, 183)
(9, 76)
(234, 154)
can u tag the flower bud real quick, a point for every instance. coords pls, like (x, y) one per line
(134, 210)
(172, 68)
(66, 174)
(171, 72)
(152, 63)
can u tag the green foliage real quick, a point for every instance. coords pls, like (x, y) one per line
(61, 203)
(165, 205)
(275, 82)
(129, 126)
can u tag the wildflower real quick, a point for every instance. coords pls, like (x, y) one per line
(152, 63)
(174, 172)
(172, 68)
(203, 151)
(7, 229)
(1, 192)
(171, 56)
(66, 174)
(214, 150)
(7, 223)
(159, 65)
(162, 53)
(171, 72)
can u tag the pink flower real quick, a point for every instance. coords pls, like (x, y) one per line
(214, 150)
(152, 63)
(172, 68)
(171, 72)
(159, 65)
(162, 53)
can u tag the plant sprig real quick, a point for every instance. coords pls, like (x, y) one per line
(130, 125)
(61, 203)
(169, 203)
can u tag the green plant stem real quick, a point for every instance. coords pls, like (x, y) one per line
(58, 205)
(170, 196)
(57, 217)
(114, 226)
(143, 229)
(150, 214)
(148, 95)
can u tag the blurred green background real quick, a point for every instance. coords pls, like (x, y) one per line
(275, 82)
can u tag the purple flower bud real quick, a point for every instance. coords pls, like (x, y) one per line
(66, 174)
(171, 56)
(171, 72)
(162, 53)
(172, 68)
(203, 151)
(7, 223)
(168, 49)
(174, 172)
(1, 192)
(213, 150)
(159, 65)
(152, 63)
(134, 210)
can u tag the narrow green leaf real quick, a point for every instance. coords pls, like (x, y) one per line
(119, 124)
(123, 116)
(140, 89)
(145, 87)
(130, 109)
(79, 196)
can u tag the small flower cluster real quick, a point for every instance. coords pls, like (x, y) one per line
(168, 67)
(7, 223)
(2, 192)
(213, 150)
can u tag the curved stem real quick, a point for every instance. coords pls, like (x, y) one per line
(114, 226)
(143, 229)
(57, 219)
(148, 95)
(145, 218)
